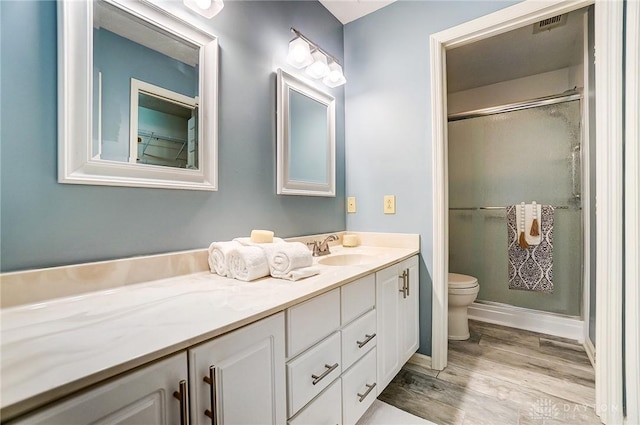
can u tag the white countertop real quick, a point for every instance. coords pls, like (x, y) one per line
(53, 348)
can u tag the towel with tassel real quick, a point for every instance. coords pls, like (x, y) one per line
(529, 217)
(247, 263)
(289, 260)
(530, 266)
(218, 252)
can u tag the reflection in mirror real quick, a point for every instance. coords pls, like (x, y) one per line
(153, 96)
(306, 139)
(126, 49)
(163, 127)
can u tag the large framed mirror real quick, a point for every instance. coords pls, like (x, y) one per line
(138, 96)
(306, 139)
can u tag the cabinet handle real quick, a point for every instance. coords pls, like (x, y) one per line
(361, 397)
(184, 406)
(408, 281)
(363, 343)
(404, 284)
(211, 380)
(330, 369)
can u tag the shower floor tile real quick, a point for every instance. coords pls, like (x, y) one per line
(501, 375)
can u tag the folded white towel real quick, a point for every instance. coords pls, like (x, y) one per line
(247, 263)
(218, 252)
(283, 258)
(302, 273)
(528, 220)
(246, 241)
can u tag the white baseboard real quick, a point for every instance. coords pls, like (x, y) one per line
(591, 351)
(421, 359)
(530, 320)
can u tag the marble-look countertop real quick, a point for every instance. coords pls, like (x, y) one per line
(53, 348)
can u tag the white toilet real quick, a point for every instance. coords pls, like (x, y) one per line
(463, 290)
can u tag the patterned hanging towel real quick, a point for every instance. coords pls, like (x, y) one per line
(531, 269)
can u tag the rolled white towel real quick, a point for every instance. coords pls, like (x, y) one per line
(285, 257)
(218, 252)
(247, 263)
(246, 241)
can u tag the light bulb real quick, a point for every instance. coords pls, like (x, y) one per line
(203, 4)
(299, 53)
(335, 77)
(319, 67)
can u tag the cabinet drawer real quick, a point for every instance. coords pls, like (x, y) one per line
(358, 338)
(324, 410)
(359, 388)
(312, 372)
(309, 322)
(357, 298)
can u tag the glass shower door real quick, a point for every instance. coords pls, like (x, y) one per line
(504, 159)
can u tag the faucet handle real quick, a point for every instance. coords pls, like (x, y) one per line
(315, 245)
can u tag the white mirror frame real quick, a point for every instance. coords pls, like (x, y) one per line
(284, 185)
(77, 164)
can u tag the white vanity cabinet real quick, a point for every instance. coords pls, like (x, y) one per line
(397, 305)
(154, 394)
(331, 368)
(239, 378)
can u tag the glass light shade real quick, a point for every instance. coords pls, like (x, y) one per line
(206, 8)
(319, 67)
(335, 77)
(299, 53)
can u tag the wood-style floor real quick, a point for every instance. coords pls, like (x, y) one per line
(500, 376)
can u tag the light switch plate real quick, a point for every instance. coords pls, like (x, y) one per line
(351, 204)
(389, 204)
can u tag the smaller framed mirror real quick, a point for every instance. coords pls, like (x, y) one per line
(306, 139)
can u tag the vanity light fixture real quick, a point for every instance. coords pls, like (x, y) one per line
(206, 8)
(304, 53)
(319, 68)
(335, 77)
(299, 53)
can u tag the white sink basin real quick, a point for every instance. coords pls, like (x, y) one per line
(347, 260)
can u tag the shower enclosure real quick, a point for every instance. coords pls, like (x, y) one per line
(522, 153)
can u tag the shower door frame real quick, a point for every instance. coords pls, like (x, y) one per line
(609, 110)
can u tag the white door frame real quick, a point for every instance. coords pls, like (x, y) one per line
(632, 212)
(609, 100)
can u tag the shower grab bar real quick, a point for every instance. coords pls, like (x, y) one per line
(560, 207)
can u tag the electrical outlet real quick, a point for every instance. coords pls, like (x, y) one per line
(389, 204)
(351, 204)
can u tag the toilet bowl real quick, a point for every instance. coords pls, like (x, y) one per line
(463, 290)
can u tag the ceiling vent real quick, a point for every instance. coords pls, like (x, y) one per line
(550, 23)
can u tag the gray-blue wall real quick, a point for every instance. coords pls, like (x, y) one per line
(388, 115)
(44, 223)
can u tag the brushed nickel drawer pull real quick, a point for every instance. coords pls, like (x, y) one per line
(361, 397)
(407, 284)
(363, 343)
(211, 380)
(404, 289)
(330, 369)
(184, 405)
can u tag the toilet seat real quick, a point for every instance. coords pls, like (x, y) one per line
(462, 281)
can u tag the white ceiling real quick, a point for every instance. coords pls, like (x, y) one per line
(516, 54)
(350, 10)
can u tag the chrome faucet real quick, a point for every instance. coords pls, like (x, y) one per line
(322, 248)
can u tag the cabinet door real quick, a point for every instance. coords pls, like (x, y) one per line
(143, 397)
(246, 372)
(388, 286)
(409, 320)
